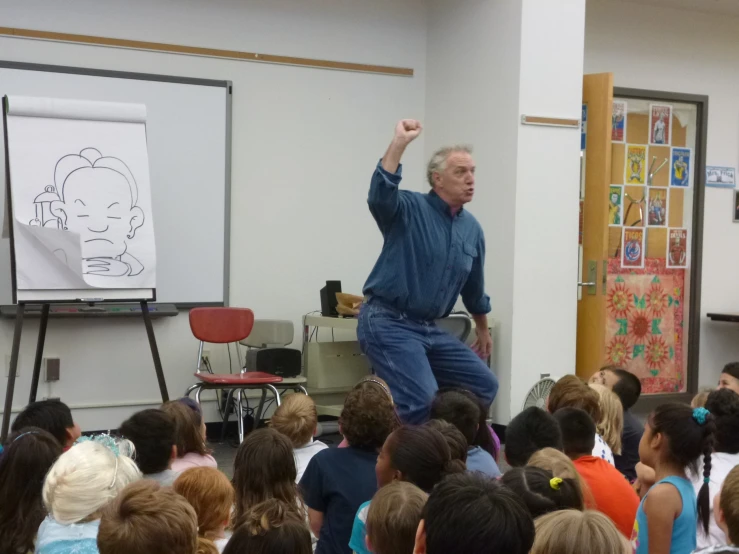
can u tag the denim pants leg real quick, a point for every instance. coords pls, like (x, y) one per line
(454, 364)
(415, 358)
(396, 349)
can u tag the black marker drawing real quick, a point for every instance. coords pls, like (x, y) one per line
(96, 197)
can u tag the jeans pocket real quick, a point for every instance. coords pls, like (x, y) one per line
(381, 312)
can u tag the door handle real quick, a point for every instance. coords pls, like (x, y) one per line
(592, 283)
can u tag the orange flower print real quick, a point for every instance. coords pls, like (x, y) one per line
(657, 300)
(639, 326)
(619, 300)
(656, 352)
(617, 352)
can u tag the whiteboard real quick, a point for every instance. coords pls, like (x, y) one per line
(188, 138)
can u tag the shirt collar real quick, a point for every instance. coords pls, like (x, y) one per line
(438, 203)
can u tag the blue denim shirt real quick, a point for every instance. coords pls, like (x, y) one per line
(429, 256)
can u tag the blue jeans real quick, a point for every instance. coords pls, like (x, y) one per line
(416, 358)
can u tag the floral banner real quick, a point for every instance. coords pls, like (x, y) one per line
(644, 324)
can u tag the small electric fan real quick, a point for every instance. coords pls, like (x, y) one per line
(539, 393)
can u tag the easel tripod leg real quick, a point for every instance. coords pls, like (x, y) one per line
(20, 311)
(39, 352)
(154, 351)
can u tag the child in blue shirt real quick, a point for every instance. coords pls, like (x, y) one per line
(457, 408)
(338, 480)
(674, 438)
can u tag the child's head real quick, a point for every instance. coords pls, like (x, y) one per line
(189, 428)
(560, 465)
(153, 433)
(724, 406)
(270, 527)
(611, 422)
(625, 384)
(677, 435)
(531, 430)
(459, 410)
(730, 377)
(27, 457)
(454, 438)
(542, 492)
(148, 518)
(699, 400)
(419, 455)
(393, 518)
(578, 431)
(97, 192)
(572, 392)
(483, 437)
(264, 468)
(296, 418)
(368, 416)
(211, 494)
(568, 531)
(52, 416)
(472, 501)
(87, 477)
(728, 506)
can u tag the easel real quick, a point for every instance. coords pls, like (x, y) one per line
(46, 307)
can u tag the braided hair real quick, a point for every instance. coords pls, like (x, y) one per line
(690, 434)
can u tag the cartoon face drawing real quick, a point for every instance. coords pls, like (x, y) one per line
(97, 199)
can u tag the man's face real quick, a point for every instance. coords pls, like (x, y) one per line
(97, 205)
(604, 377)
(456, 184)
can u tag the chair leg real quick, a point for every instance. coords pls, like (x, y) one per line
(301, 388)
(258, 417)
(192, 388)
(229, 399)
(276, 394)
(240, 414)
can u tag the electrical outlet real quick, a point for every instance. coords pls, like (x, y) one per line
(206, 358)
(7, 366)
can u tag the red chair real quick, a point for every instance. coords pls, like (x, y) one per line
(223, 326)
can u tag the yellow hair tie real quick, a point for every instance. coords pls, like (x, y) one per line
(555, 483)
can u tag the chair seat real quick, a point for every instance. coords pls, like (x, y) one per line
(236, 379)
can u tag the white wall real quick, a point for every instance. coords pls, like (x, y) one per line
(488, 63)
(547, 195)
(305, 142)
(682, 51)
(472, 97)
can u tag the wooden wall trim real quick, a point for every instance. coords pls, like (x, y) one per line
(206, 52)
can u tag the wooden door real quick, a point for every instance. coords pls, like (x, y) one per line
(591, 310)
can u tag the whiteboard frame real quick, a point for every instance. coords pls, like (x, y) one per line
(110, 293)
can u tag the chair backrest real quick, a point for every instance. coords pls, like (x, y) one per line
(270, 333)
(459, 325)
(221, 325)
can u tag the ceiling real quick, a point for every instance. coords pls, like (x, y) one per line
(724, 7)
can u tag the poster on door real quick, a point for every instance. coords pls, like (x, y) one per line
(635, 172)
(660, 124)
(615, 206)
(632, 247)
(657, 207)
(681, 172)
(677, 248)
(618, 121)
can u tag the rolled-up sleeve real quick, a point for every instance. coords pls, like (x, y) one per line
(385, 202)
(473, 292)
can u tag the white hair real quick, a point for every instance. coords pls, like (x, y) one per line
(438, 160)
(86, 478)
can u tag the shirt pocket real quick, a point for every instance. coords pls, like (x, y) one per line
(468, 254)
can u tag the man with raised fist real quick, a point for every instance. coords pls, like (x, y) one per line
(434, 250)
